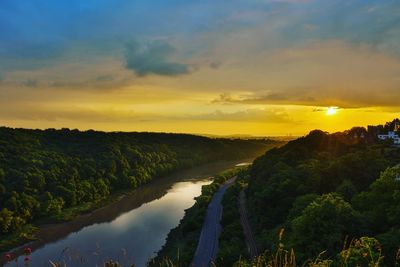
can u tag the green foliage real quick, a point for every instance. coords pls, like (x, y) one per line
(390, 241)
(324, 188)
(24, 234)
(44, 173)
(347, 190)
(323, 224)
(381, 203)
(280, 256)
(6, 220)
(300, 204)
(365, 251)
(232, 241)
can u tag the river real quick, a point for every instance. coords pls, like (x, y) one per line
(130, 230)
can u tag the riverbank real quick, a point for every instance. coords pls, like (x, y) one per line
(182, 241)
(120, 203)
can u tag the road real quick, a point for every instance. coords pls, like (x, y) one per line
(248, 233)
(208, 243)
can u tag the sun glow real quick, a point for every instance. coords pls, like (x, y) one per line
(330, 111)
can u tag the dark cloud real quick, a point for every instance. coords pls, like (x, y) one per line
(275, 97)
(104, 78)
(342, 98)
(20, 55)
(215, 65)
(69, 84)
(30, 83)
(251, 99)
(100, 82)
(153, 58)
(224, 98)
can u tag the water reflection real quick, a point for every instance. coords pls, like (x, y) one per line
(243, 164)
(132, 237)
(129, 230)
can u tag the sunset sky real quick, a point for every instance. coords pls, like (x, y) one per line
(259, 67)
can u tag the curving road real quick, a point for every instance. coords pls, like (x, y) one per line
(208, 242)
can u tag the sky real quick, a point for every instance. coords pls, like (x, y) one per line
(254, 67)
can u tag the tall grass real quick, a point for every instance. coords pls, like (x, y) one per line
(362, 252)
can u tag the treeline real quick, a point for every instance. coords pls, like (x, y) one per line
(45, 172)
(326, 190)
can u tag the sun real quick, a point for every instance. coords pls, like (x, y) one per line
(330, 111)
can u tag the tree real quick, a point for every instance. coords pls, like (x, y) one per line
(68, 195)
(381, 203)
(55, 169)
(323, 225)
(102, 188)
(300, 204)
(347, 190)
(6, 218)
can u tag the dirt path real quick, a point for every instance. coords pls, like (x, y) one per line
(248, 233)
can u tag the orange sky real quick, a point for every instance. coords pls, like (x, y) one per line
(270, 67)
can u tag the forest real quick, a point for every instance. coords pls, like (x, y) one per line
(46, 172)
(320, 200)
(326, 190)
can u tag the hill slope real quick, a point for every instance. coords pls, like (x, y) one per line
(326, 188)
(43, 173)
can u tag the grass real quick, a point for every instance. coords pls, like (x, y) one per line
(361, 252)
(365, 251)
(24, 235)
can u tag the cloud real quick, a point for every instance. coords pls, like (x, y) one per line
(257, 98)
(153, 58)
(270, 115)
(100, 82)
(317, 97)
(224, 98)
(346, 20)
(215, 65)
(77, 113)
(104, 78)
(30, 83)
(328, 73)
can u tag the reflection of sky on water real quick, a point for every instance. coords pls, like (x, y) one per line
(132, 237)
(243, 164)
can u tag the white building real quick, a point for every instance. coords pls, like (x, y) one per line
(391, 135)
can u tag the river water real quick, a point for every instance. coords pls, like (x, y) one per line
(130, 231)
